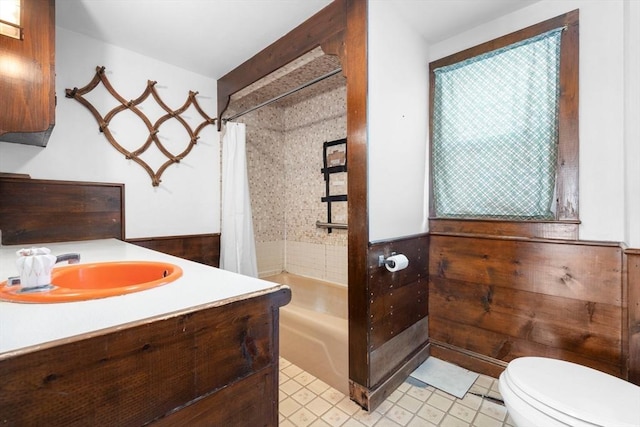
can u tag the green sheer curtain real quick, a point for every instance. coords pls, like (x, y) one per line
(495, 132)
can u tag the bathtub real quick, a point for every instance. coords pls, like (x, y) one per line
(314, 328)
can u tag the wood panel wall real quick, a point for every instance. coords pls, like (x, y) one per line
(492, 299)
(397, 308)
(355, 67)
(202, 248)
(632, 317)
(42, 211)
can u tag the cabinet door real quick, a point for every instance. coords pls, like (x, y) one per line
(27, 77)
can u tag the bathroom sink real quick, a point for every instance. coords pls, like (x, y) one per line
(81, 282)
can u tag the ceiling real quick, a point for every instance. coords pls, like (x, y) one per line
(212, 37)
(209, 37)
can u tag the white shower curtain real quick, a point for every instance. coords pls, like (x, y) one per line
(237, 242)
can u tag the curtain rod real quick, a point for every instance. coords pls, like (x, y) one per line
(277, 98)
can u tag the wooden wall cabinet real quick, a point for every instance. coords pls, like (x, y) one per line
(27, 77)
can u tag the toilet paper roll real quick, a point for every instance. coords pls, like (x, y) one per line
(396, 262)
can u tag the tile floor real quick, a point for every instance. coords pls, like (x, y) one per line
(308, 401)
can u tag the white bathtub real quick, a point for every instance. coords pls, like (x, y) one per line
(314, 328)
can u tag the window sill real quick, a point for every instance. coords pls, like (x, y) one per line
(564, 230)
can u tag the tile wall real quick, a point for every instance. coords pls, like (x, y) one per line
(284, 158)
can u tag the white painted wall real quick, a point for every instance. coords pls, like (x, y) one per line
(602, 104)
(632, 123)
(188, 198)
(398, 125)
(609, 111)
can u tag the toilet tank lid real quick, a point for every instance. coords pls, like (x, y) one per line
(576, 390)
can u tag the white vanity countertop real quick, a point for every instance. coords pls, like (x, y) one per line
(23, 326)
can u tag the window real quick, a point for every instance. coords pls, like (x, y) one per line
(504, 133)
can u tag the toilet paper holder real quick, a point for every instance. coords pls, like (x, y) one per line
(394, 262)
(382, 261)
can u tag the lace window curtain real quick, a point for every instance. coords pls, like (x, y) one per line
(495, 132)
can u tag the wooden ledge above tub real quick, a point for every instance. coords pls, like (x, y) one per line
(202, 248)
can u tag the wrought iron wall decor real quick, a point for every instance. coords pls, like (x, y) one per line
(132, 106)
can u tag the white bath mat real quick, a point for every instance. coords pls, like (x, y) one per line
(445, 376)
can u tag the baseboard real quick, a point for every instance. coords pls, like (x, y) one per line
(468, 359)
(370, 399)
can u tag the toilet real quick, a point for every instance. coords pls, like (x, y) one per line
(543, 392)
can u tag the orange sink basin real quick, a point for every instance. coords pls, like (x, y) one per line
(81, 282)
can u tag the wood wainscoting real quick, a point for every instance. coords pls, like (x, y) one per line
(492, 299)
(202, 248)
(633, 312)
(397, 311)
(44, 211)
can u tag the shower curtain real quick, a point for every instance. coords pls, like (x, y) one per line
(237, 242)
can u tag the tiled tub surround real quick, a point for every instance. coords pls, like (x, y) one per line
(324, 262)
(314, 329)
(284, 158)
(270, 257)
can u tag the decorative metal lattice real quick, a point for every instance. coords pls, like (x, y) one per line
(153, 129)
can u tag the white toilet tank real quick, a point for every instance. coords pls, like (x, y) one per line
(569, 394)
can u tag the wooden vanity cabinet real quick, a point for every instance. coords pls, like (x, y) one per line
(212, 365)
(27, 77)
